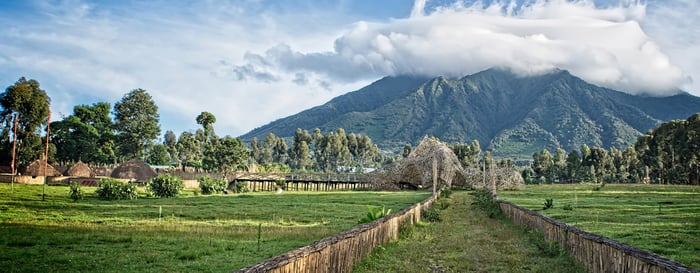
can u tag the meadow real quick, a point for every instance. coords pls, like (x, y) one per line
(467, 239)
(214, 233)
(664, 219)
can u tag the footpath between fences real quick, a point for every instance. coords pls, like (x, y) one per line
(597, 253)
(338, 252)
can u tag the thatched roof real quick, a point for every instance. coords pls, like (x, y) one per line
(506, 178)
(134, 169)
(79, 169)
(417, 168)
(416, 171)
(37, 168)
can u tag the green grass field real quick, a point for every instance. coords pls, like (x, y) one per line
(467, 240)
(216, 233)
(659, 218)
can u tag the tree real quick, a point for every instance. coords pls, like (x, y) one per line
(559, 161)
(206, 119)
(86, 135)
(136, 123)
(30, 103)
(189, 151)
(228, 155)
(170, 142)
(573, 166)
(266, 152)
(158, 155)
(299, 154)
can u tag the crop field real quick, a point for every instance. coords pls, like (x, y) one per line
(218, 233)
(664, 219)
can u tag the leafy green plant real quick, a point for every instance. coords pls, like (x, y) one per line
(431, 215)
(76, 193)
(165, 185)
(568, 207)
(442, 204)
(548, 204)
(374, 213)
(112, 189)
(484, 200)
(209, 185)
(446, 192)
(240, 187)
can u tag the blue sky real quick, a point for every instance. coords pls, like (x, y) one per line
(253, 61)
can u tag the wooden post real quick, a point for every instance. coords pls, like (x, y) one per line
(435, 177)
(46, 155)
(14, 144)
(493, 182)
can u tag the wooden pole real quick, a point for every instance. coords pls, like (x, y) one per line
(14, 147)
(435, 177)
(493, 181)
(46, 155)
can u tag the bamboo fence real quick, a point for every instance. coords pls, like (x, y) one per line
(338, 252)
(597, 253)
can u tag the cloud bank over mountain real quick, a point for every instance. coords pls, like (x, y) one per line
(252, 61)
(603, 45)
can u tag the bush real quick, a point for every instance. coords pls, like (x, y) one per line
(240, 187)
(76, 193)
(431, 215)
(484, 200)
(442, 204)
(210, 185)
(374, 214)
(112, 189)
(446, 192)
(548, 204)
(165, 185)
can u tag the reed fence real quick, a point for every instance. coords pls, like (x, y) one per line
(338, 252)
(597, 253)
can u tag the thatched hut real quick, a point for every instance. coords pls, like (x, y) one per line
(416, 170)
(135, 170)
(80, 169)
(40, 168)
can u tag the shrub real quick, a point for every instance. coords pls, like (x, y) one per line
(431, 215)
(548, 204)
(442, 204)
(112, 189)
(484, 200)
(374, 214)
(446, 192)
(210, 185)
(165, 185)
(76, 193)
(240, 187)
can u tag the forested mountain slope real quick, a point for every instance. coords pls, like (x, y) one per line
(510, 115)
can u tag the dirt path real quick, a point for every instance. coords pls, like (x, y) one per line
(467, 240)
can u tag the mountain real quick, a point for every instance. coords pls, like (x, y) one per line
(510, 115)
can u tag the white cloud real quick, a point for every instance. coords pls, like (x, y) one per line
(251, 62)
(603, 45)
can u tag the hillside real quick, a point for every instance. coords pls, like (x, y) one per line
(511, 115)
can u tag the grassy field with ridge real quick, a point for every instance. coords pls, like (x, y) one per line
(217, 233)
(664, 219)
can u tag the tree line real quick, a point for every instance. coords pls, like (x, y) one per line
(91, 135)
(668, 154)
